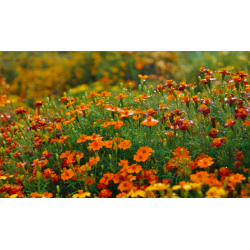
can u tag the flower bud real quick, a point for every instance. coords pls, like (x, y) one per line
(164, 169)
(39, 176)
(218, 126)
(216, 173)
(78, 159)
(58, 189)
(139, 87)
(225, 182)
(110, 156)
(164, 142)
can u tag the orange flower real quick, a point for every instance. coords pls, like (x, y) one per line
(38, 103)
(47, 195)
(82, 138)
(199, 176)
(125, 144)
(136, 117)
(236, 178)
(205, 162)
(65, 155)
(94, 137)
(180, 151)
(35, 195)
(21, 110)
(134, 168)
(105, 193)
(118, 124)
(140, 157)
(125, 186)
(145, 150)
(106, 178)
(96, 145)
(92, 94)
(246, 122)
(120, 96)
(107, 144)
(67, 174)
(150, 122)
(144, 77)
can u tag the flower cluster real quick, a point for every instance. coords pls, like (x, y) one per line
(167, 141)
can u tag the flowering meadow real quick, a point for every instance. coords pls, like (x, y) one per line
(167, 141)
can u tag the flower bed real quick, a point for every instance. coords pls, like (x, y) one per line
(164, 142)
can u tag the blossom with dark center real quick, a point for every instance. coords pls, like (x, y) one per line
(224, 71)
(229, 123)
(204, 109)
(207, 101)
(185, 125)
(217, 142)
(241, 112)
(213, 133)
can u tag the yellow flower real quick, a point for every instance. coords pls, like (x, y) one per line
(215, 192)
(182, 185)
(81, 194)
(157, 187)
(135, 193)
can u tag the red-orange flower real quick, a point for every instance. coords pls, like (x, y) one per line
(205, 162)
(96, 145)
(125, 144)
(150, 122)
(67, 174)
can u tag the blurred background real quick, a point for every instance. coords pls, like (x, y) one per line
(29, 76)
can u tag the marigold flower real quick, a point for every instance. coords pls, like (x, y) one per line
(120, 96)
(125, 144)
(150, 122)
(199, 176)
(182, 185)
(204, 109)
(213, 133)
(136, 193)
(125, 186)
(217, 142)
(96, 145)
(81, 194)
(205, 162)
(82, 138)
(106, 178)
(246, 123)
(67, 174)
(242, 113)
(118, 124)
(21, 110)
(134, 168)
(94, 137)
(215, 192)
(47, 195)
(236, 178)
(229, 122)
(140, 157)
(105, 193)
(144, 77)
